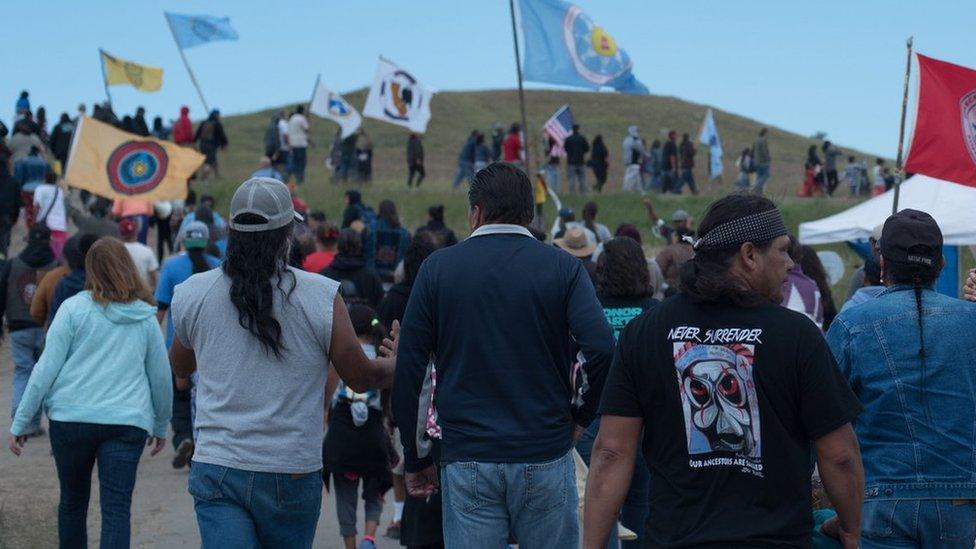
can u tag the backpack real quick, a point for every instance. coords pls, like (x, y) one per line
(367, 215)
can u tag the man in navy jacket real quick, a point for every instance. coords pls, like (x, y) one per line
(492, 328)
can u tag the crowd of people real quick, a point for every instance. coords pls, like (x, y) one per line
(713, 391)
(821, 177)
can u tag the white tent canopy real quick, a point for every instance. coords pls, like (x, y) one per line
(952, 205)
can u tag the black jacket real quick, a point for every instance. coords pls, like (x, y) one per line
(358, 283)
(576, 149)
(9, 197)
(394, 304)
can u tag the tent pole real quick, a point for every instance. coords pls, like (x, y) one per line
(901, 132)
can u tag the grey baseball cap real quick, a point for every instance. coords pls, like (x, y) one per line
(679, 215)
(195, 235)
(266, 197)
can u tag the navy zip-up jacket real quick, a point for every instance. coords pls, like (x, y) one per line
(501, 314)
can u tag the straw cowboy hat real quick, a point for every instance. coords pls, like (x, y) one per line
(576, 243)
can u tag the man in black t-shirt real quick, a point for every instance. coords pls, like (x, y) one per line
(730, 389)
(669, 164)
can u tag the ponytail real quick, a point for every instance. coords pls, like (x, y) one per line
(198, 260)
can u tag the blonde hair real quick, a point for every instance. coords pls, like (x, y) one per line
(111, 275)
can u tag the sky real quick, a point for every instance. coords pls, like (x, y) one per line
(808, 67)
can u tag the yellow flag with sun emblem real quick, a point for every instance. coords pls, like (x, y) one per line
(141, 77)
(116, 164)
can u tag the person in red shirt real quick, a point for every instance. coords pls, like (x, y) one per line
(512, 146)
(183, 128)
(326, 242)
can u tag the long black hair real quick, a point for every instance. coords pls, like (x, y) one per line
(366, 325)
(589, 216)
(814, 268)
(621, 270)
(920, 277)
(197, 260)
(706, 277)
(254, 260)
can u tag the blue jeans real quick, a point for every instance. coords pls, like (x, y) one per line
(762, 175)
(486, 504)
(465, 171)
(918, 523)
(296, 164)
(636, 507)
(576, 178)
(246, 509)
(25, 348)
(76, 448)
(552, 178)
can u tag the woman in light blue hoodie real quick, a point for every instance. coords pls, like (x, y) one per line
(104, 379)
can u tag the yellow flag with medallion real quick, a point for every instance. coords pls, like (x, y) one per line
(141, 77)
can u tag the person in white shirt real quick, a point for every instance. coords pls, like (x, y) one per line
(298, 141)
(877, 176)
(143, 256)
(49, 206)
(283, 159)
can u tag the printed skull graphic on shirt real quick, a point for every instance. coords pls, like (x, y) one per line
(718, 395)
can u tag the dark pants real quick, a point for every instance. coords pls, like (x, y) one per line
(76, 448)
(297, 166)
(832, 182)
(181, 422)
(687, 178)
(164, 238)
(633, 514)
(416, 169)
(6, 226)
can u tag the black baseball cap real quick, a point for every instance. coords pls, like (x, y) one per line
(912, 237)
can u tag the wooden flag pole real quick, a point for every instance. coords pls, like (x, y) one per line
(518, 69)
(901, 131)
(101, 61)
(193, 77)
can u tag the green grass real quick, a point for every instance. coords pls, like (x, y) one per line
(455, 114)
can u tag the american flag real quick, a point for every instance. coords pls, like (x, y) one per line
(558, 128)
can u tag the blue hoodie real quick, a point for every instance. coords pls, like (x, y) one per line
(104, 365)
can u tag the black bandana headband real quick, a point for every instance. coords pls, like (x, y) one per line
(760, 227)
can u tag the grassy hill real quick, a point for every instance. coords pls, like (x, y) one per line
(455, 114)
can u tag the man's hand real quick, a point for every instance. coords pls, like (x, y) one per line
(16, 444)
(969, 289)
(831, 527)
(578, 431)
(388, 349)
(157, 445)
(423, 484)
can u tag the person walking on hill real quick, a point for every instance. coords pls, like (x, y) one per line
(143, 257)
(812, 174)
(415, 159)
(260, 336)
(160, 131)
(465, 161)
(482, 154)
(762, 161)
(183, 128)
(104, 380)
(137, 209)
(497, 138)
(512, 146)
(670, 175)
(176, 270)
(139, 125)
(210, 138)
(19, 278)
(757, 395)
(298, 143)
(687, 153)
(831, 153)
(633, 157)
(49, 205)
(10, 202)
(364, 155)
(745, 165)
(576, 148)
(22, 142)
(599, 162)
(506, 468)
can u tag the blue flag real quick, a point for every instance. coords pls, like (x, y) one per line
(709, 136)
(564, 46)
(193, 30)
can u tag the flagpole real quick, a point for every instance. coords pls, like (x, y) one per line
(518, 69)
(101, 61)
(186, 64)
(901, 131)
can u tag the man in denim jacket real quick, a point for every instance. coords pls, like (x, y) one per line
(910, 362)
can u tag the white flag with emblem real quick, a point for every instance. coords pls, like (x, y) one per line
(399, 98)
(331, 106)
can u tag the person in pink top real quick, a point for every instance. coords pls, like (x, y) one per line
(139, 210)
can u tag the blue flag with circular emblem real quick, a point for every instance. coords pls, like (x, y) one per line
(564, 46)
(193, 30)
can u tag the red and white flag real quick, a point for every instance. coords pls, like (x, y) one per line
(944, 142)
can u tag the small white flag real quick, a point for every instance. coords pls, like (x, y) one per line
(331, 106)
(709, 136)
(399, 98)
